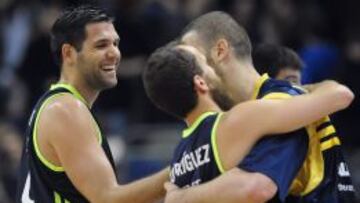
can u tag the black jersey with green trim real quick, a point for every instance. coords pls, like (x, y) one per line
(194, 159)
(323, 175)
(40, 182)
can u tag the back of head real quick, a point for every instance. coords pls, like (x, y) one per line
(70, 27)
(271, 59)
(216, 25)
(168, 80)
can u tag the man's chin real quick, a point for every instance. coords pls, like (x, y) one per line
(109, 84)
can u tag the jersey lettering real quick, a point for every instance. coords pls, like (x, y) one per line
(343, 170)
(190, 161)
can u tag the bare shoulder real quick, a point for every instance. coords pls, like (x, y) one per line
(65, 105)
(64, 113)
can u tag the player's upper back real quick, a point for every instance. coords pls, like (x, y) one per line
(195, 158)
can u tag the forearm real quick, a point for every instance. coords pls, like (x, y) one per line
(205, 193)
(337, 96)
(232, 187)
(145, 190)
(325, 98)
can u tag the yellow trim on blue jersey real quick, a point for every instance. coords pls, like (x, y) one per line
(47, 163)
(214, 144)
(258, 85)
(77, 95)
(67, 201)
(330, 143)
(326, 131)
(312, 171)
(277, 95)
(57, 197)
(191, 129)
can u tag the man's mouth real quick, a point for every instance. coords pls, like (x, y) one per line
(108, 68)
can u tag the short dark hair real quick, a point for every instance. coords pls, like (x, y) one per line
(217, 24)
(270, 58)
(70, 27)
(168, 80)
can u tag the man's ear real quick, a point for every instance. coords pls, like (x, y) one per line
(200, 84)
(220, 50)
(68, 53)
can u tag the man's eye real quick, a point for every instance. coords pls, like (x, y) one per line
(100, 46)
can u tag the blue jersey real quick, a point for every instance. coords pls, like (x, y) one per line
(314, 171)
(278, 157)
(194, 158)
(41, 181)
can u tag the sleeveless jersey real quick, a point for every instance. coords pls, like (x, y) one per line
(194, 160)
(41, 181)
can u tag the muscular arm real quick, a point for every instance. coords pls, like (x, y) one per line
(281, 116)
(255, 119)
(71, 133)
(234, 186)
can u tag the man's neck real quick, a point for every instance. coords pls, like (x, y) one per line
(204, 105)
(240, 80)
(88, 93)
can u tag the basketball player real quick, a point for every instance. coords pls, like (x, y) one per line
(179, 81)
(307, 166)
(66, 158)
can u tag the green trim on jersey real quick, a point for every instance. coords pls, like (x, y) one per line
(214, 144)
(71, 89)
(187, 132)
(58, 199)
(77, 95)
(47, 163)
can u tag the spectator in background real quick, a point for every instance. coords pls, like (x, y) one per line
(244, 12)
(278, 23)
(279, 62)
(37, 74)
(10, 153)
(318, 50)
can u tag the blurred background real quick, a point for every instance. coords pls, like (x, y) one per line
(325, 33)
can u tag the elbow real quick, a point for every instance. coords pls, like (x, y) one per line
(261, 189)
(345, 96)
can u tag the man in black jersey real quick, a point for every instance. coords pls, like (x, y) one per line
(178, 80)
(307, 166)
(65, 157)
